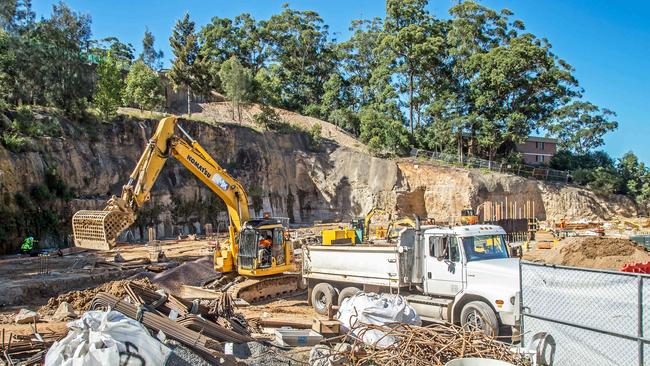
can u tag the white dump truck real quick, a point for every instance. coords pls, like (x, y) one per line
(459, 274)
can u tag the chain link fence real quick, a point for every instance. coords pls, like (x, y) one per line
(523, 170)
(596, 317)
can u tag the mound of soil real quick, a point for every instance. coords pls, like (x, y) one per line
(591, 252)
(81, 300)
(597, 247)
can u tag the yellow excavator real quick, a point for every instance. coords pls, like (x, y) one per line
(257, 254)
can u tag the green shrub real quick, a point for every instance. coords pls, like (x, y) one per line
(312, 110)
(14, 142)
(268, 118)
(26, 123)
(314, 133)
(57, 186)
(40, 193)
(256, 194)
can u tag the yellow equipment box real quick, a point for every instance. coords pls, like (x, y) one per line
(339, 236)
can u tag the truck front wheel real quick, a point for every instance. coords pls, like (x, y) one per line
(478, 315)
(323, 297)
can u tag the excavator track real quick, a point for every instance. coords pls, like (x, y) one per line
(254, 290)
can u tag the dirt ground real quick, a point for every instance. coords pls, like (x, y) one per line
(591, 252)
(294, 309)
(17, 271)
(221, 112)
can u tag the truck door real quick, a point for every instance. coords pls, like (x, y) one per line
(444, 274)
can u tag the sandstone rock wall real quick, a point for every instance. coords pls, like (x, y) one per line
(283, 175)
(444, 191)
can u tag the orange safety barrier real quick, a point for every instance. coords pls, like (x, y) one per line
(636, 267)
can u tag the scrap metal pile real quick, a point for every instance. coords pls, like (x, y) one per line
(178, 319)
(26, 349)
(436, 344)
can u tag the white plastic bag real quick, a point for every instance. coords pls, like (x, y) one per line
(106, 338)
(371, 308)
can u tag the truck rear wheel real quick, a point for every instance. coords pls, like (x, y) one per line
(347, 292)
(480, 316)
(323, 297)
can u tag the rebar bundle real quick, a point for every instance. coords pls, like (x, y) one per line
(432, 345)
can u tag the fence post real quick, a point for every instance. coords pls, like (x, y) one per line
(640, 321)
(521, 304)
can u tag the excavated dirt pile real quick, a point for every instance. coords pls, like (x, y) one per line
(81, 300)
(591, 252)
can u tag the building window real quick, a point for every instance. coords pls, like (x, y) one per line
(539, 145)
(539, 158)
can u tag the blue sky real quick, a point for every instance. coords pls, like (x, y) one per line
(607, 42)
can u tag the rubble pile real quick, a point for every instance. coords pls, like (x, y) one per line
(81, 300)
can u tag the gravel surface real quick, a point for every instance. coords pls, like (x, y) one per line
(182, 356)
(254, 353)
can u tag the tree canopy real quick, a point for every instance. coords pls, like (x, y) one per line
(110, 86)
(150, 56)
(144, 88)
(475, 83)
(236, 81)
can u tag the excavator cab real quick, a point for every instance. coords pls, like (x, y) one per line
(468, 217)
(262, 246)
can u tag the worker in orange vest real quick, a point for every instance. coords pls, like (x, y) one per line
(265, 248)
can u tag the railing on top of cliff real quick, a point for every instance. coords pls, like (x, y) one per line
(523, 170)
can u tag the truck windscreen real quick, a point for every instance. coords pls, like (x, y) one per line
(483, 247)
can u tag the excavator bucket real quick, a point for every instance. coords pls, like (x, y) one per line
(99, 229)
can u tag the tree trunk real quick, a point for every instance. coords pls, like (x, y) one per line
(189, 101)
(460, 146)
(411, 101)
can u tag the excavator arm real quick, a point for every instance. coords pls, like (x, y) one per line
(366, 221)
(99, 229)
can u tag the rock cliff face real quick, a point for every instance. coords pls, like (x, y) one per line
(441, 192)
(282, 173)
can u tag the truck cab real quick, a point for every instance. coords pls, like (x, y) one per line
(469, 268)
(459, 274)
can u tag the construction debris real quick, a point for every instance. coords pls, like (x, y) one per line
(432, 345)
(636, 267)
(81, 300)
(288, 337)
(193, 273)
(104, 338)
(65, 311)
(378, 309)
(26, 316)
(26, 350)
(206, 346)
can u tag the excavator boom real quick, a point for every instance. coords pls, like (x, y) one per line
(100, 229)
(265, 267)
